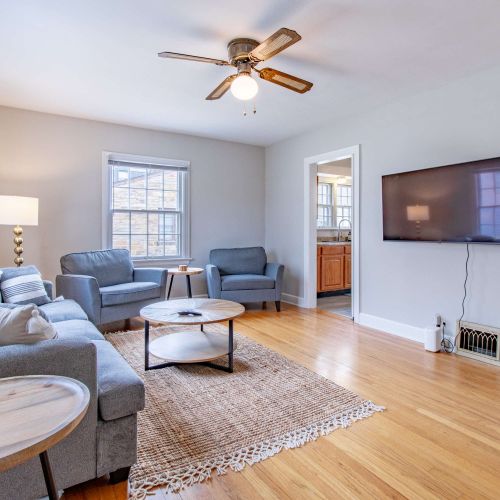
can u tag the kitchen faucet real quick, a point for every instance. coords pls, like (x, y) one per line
(338, 227)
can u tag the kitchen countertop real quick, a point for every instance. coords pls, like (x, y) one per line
(333, 243)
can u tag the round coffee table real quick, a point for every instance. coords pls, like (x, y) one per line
(190, 271)
(36, 412)
(191, 346)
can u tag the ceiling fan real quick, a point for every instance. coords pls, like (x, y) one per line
(244, 54)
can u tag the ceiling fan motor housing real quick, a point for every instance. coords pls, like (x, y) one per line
(238, 50)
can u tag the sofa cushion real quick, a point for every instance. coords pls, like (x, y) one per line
(126, 293)
(23, 285)
(73, 329)
(246, 282)
(62, 310)
(251, 260)
(120, 390)
(108, 267)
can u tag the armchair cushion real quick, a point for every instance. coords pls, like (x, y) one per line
(125, 293)
(120, 390)
(62, 310)
(109, 267)
(246, 282)
(251, 260)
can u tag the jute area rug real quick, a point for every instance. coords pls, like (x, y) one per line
(199, 421)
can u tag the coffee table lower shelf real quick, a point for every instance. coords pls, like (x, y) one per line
(190, 347)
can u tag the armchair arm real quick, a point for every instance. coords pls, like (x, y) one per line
(275, 271)
(213, 281)
(49, 288)
(84, 290)
(154, 274)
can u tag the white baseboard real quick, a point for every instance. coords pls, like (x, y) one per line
(393, 327)
(293, 299)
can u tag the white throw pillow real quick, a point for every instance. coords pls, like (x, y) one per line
(37, 325)
(24, 325)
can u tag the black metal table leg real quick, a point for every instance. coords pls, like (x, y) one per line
(49, 478)
(170, 286)
(230, 352)
(146, 345)
(188, 281)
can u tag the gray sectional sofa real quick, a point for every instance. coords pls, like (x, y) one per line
(105, 442)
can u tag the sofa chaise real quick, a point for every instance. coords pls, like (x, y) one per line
(244, 275)
(105, 442)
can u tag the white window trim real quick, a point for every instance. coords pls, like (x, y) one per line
(106, 211)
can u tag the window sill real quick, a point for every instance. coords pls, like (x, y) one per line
(161, 262)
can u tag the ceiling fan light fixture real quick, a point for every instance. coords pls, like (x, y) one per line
(244, 87)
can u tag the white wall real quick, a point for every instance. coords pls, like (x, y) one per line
(402, 282)
(59, 160)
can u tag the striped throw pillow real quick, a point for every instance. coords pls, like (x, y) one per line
(23, 286)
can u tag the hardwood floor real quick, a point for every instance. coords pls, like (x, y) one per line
(438, 438)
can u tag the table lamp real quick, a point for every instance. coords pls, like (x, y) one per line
(17, 210)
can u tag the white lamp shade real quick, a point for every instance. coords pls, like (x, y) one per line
(18, 210)
(417, 213)
(244, 87)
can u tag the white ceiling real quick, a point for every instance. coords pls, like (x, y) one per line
(97, 58)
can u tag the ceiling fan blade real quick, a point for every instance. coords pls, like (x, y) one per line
(285, 80)
(219, 91)
(188, 57)
(277, 42)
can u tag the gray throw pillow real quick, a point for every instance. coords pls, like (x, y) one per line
(23, 285)
(24, 325)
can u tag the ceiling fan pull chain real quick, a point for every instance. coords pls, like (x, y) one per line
(254, 108)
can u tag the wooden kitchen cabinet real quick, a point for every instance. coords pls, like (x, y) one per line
(347, 271)
(333, 267)
(332, 272)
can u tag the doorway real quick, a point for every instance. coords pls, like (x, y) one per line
(331, 232)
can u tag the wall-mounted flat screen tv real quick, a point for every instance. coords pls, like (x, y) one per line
(454, 203)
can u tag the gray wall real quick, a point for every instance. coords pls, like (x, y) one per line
(402, 282)
(59, 160)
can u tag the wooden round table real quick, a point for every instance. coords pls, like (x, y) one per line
(36, 412)
(191, 346)
(191, 271)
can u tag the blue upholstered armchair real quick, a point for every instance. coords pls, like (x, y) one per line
(107, 286)
(244, 275)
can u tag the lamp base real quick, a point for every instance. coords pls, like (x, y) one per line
(18, 249)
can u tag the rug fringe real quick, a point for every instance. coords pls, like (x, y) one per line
(187, 476)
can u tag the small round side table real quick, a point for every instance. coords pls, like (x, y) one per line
(36, 412)
(191, 271)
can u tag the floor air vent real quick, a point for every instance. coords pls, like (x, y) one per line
(479, 342)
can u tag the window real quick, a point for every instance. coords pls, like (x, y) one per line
(489, 203)
(148, 207)
(334, 204)
(325, 205)
(343, 204)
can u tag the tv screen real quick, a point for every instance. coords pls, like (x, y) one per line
(455, 203)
